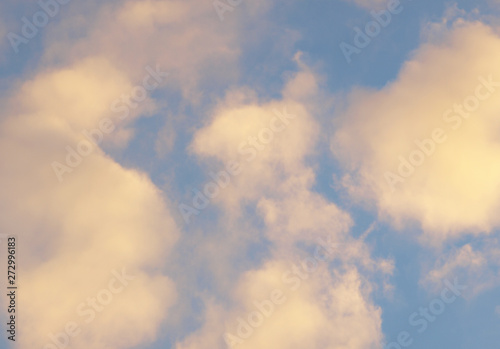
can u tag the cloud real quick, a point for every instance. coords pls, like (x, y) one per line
(323, 312)
(475, 265)
(332, 307)
(184, 37)
(76, 233)
(453, 186)
(102, 218)
(268, 140)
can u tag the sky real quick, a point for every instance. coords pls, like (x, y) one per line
(250, 174)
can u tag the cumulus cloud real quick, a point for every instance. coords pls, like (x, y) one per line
(423, 148)
(268, 140)
(184, 38)
(102, 218)
(323, 311)
(236, 133)
(276, 179)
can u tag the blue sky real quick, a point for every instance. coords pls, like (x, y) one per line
(346, 128)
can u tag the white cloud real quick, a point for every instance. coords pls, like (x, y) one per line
(324, 311)
(456, 189)
(185, 38)
(330, 309)
(101, 218)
